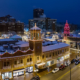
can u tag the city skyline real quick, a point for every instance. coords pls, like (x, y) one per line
(59, 9)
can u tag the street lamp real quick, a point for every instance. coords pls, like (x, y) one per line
(70, 73)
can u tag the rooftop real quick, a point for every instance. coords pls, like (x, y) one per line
(54, 47)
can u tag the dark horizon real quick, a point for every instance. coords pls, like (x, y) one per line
(59, 9)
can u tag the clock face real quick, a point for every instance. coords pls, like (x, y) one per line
(38, 49)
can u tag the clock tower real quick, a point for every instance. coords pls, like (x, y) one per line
(35, 42)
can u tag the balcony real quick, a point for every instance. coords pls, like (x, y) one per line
(18, 65)
(7, 67)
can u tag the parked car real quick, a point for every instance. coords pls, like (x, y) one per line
(55, 70)
(76, 63)
(62, 67)
(36, 70)
(73, 60)
(79, 61)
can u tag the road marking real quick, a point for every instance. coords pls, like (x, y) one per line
(67, 73)
(44, 75)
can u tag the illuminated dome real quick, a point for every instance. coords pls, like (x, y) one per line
(35, 28)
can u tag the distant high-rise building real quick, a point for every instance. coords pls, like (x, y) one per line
(37, 13)
(43, 23)
(9, 24)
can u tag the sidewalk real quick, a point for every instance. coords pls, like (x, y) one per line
(46, 71)
(26, 77)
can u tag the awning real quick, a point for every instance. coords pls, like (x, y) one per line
(40, 64)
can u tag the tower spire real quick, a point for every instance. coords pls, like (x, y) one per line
(66, 21)
(35, 25)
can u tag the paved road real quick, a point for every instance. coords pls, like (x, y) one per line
(65, 73)
(55, 76)
(75, 74)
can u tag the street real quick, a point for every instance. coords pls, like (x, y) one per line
(56, 76)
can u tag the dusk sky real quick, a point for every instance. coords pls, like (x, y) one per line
(61, 10)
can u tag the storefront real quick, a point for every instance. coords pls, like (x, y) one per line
(48, 63)
(7, 75)
(66, 56)
(29, 69)
(41, 65)
(60, 60)
(18, 72)
(52, 62)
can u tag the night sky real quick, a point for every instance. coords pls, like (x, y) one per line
(61, 10)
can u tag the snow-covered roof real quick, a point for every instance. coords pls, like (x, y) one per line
(16, 36)
(49, 43)
(6, 40)
(35, 28)
(24, 45)
(21, 42)
(53, 47)
(49, 39)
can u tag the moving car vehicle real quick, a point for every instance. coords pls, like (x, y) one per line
(62, 67)
(55, 70)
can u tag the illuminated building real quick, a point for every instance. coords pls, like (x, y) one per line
(66, 30)
(37, 56)
(9, 24)
(37, 13)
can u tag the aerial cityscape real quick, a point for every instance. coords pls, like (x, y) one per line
(40, 40)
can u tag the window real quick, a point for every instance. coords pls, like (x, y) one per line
(27, 60)
(30, 59)
(37, 58)
(15, 62)
(4, 63)
(43, 56)
(46, 56)
(21, 61)
(62, 50)
(18, 62)
(58, 52)
(53, 54)
(65, 50)
(8, 63)
(50, 55)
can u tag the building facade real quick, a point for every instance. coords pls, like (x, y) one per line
(43, 23)
(36, 57)
(37, 13)
(9, 24)
(66, 30)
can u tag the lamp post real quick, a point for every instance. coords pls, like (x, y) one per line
(70, 73)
